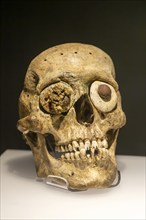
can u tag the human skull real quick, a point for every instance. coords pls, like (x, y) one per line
(70, 115)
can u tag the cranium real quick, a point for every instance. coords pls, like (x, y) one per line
(70, 115)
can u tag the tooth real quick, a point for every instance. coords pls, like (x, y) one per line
(104, 143)
(83, 153)
(81, 144)
(103, 154)
(99, 143)
(66, 148)
(94, 144)
(67, 156)
(62, 149)
(70, 147)
(100, 153)
(92, 152)
(75, 145)
(62, 156)
(77, 153)
(72, 156)
(87, 144)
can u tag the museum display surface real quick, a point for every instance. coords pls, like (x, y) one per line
(23, 197)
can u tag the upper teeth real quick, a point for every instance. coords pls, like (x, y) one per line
(75, 145)
(87, 144)
(82, 148)
(94, 144)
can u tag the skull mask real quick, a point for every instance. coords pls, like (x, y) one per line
(70, 115)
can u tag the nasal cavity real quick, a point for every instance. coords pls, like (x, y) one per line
(84, 110)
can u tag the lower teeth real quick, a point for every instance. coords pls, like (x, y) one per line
(82, 154)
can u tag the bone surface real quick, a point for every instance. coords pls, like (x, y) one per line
(70, 115)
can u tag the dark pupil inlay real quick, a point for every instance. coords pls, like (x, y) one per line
(104, 92)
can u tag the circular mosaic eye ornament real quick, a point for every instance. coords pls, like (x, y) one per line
(70, 115)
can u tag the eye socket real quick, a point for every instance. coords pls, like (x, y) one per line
(103, 96)
(57, 98)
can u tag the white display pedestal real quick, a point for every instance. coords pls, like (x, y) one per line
(22, 197)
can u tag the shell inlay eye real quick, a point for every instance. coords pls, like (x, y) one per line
(103, 96)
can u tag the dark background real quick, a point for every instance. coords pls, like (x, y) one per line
(117, 27)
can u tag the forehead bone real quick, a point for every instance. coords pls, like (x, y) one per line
(72, 57)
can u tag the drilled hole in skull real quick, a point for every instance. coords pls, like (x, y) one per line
(56, 98)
